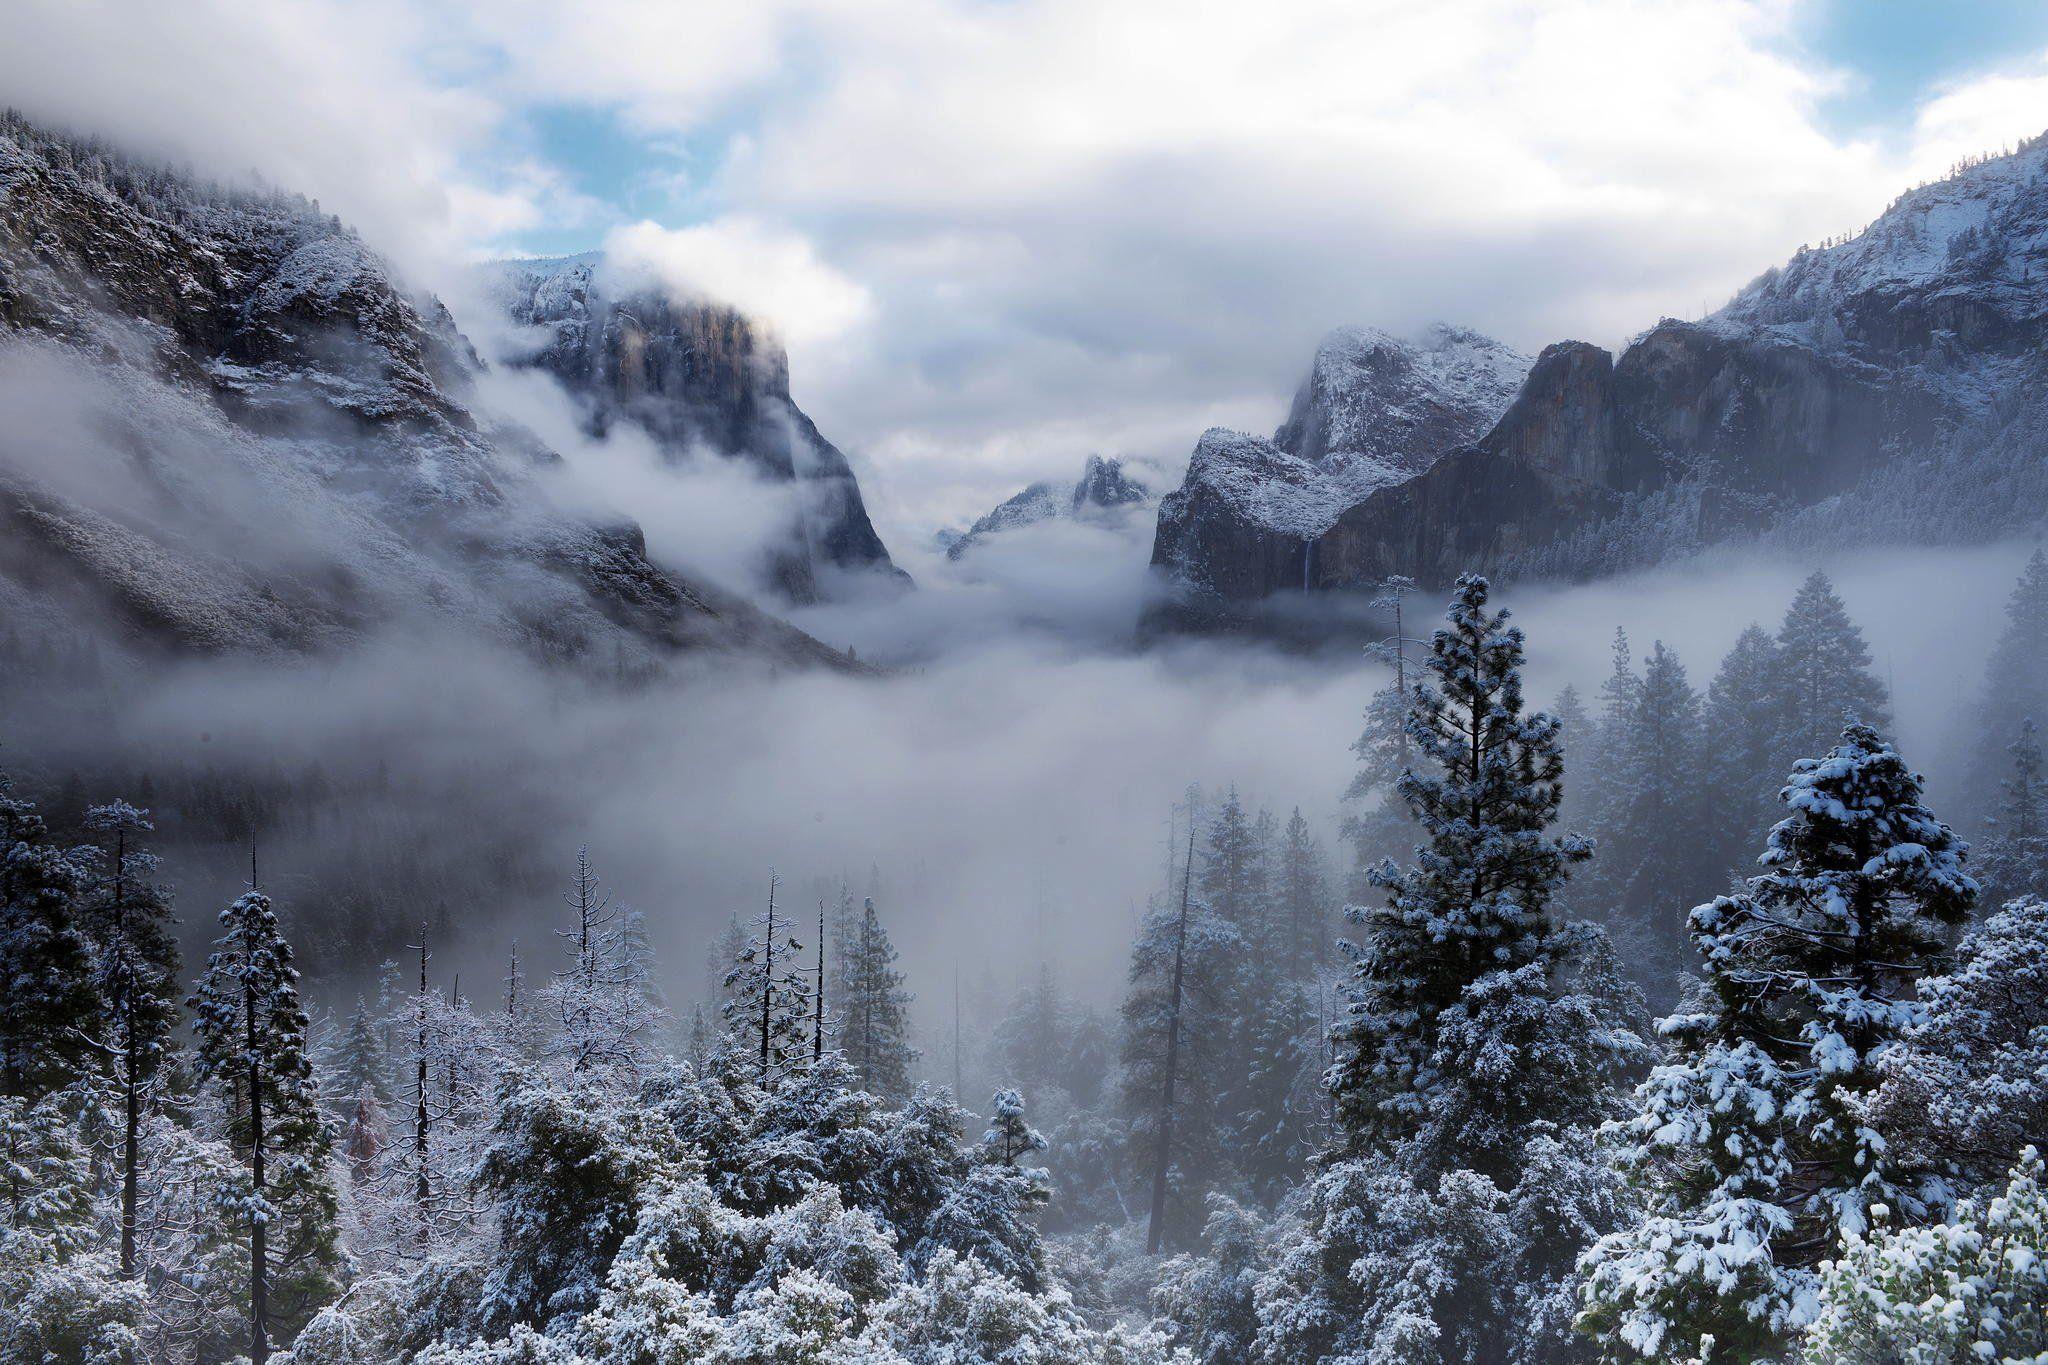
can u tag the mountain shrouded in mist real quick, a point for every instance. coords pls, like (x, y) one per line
(231, 428)
(1885, 386)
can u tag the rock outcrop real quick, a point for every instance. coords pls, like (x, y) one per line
(697, 376)
(230, 428)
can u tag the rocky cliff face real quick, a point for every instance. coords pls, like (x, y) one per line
(696, 376)
(1105, 493)
(1879, 387)
(229, 428)
(1374, 412)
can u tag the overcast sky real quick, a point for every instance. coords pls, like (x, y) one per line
(1000, 235)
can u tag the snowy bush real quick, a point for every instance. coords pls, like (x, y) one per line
(1974, 1288)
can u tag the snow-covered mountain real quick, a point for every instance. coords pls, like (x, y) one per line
(697, 376)
(1886, 387)
(230, 427)
(1374, 412)
(1107, 493)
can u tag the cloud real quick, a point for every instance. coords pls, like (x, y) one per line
(1001, 236)
(764, 270)
(1988, 113)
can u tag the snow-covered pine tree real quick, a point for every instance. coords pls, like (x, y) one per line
(875, 1032)
(1739, 765)
(1233, 868)
(2013, 858)
(253, 1046)
(46, 961)
(1822, 674)
(1475, 904)
(603, 1001)
(358, 1064)
(1753, 1144)
(1008, 1137)
(1974, 1288)
(130, 918)
(768, 1011)
(1483, 1045)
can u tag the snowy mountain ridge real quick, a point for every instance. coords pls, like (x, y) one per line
(1887, 386)
(235, 430)
(1107, 492)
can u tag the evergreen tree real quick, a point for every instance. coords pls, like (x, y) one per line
(252, 1033)
(1753, 1144)
(1176, 1035)
(1482, 1048)
(2016, 675)
(1822, 674)
(875, 1035)
(1031, 1039)
(1739, 763)
(1378, 827)
(2013, 860)
(46, 961)
(604, 999)
(769, 1009)
(1653, 756)
(1009, 1136)
(1233, 871)
(1303, 901)
(137, 977)
(1473, 908)
(360, 1065)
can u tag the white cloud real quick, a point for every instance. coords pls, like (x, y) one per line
(999, 236)
(1987, 113)
(766, 271)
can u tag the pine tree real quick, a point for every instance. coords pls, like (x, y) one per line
(252, 1033)
(1176, 1033)
(2016, 675)
(1653, 758)
(1009, 1136)
(1030, 1040)
(1482, 1048)
(604, 999)
(1233, 873)
(1753, 1144)
(1823, 676)
(360, 1065)
(769, 1006)
(875, 1035)
(137, 977)
(2013, 860)
(1303, 910)
(1476, 904)
(46, 960)
(1739, 763)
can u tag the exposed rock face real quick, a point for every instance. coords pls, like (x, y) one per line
(1374, 412)
(1881, 387)
(697, 375)
(1105, 493)
(229, 428)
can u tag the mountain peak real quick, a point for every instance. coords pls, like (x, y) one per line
(1378, 408)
